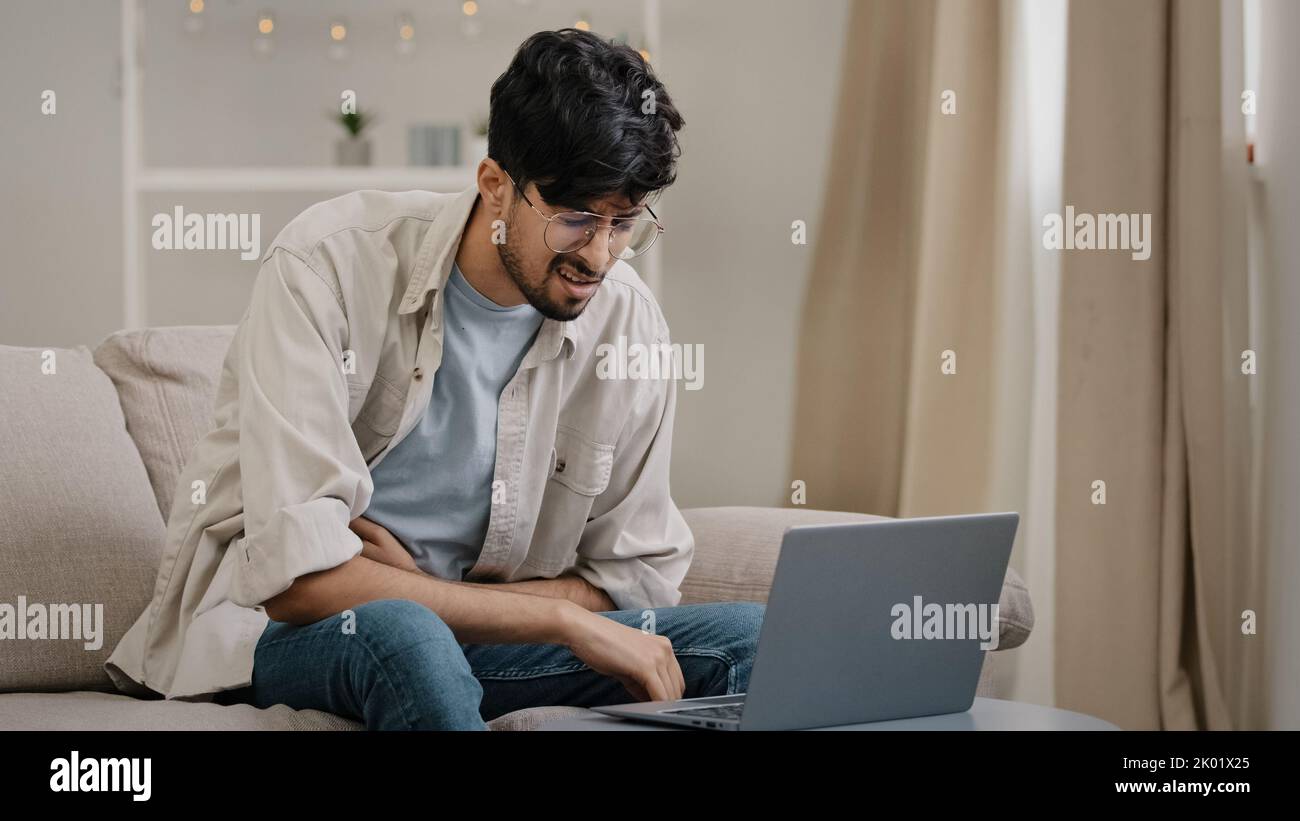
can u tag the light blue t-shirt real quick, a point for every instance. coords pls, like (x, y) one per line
(433, 491)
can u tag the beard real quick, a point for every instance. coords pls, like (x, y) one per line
(537, 290)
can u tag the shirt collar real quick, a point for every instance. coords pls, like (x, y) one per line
(433, 267)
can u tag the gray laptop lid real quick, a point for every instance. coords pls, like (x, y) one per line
(863, 620)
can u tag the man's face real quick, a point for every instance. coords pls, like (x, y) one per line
(559, 286)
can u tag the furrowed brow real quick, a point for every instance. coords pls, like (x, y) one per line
(573, 206)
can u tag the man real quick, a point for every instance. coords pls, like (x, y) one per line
(430, 361)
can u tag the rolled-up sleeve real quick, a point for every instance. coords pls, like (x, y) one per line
(302, 475)
(639, 550)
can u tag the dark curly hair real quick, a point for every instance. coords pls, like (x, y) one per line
(567, 115)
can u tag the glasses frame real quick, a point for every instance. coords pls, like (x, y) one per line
(591, 232)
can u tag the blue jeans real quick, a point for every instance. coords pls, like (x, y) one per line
(402, 668)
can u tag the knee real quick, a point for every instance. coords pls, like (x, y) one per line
(734, 627)
(742, 621)
(414, 657)
(733, 643)
(395, 627)
(746, 622)
(387, 615)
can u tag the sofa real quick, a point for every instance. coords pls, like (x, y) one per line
(91, 445)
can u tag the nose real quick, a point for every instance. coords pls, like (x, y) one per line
(595, 254)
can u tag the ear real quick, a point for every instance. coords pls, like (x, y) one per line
(494, 186)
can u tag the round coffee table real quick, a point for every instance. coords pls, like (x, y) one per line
(984, 714)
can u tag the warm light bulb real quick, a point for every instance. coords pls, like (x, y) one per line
(469, 7)
(338, 32)
(406, 32)
(265, 25)
(196, 6)
(582, 25)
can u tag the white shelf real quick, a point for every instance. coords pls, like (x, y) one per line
(305, 178)
(137, 179)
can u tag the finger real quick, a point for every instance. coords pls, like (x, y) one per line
(654, 685)
(675, 670)
(672, 670)
(636, 690)
(377, 553)
(670, 686)
(380, 535)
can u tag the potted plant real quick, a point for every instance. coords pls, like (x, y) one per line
(478, 139)
(354, 149)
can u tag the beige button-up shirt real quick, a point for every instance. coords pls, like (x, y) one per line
(332, 365)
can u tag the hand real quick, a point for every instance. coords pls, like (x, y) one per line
(642, 662)
(381, 546)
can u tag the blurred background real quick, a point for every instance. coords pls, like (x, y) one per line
(861, 191)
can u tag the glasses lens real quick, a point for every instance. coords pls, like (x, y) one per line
(632, 237)
(568, 232)
(628, 238)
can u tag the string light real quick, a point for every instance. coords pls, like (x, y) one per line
(264, 43)
(194, 20)
(405, 34)
(338, 32)
(470, 26)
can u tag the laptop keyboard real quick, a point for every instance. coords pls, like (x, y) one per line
(731, 711)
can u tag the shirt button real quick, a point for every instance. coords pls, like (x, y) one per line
(419, 374)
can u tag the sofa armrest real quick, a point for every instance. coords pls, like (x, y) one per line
(736, 550)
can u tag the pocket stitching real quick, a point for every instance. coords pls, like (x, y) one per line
(388, 394)
(603, 463)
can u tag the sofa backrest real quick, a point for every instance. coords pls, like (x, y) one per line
(80, 531)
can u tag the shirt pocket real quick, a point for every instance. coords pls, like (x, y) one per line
(380, 412)
(579, 472)
(579, 464)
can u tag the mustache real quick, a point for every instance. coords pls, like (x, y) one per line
(578, 268)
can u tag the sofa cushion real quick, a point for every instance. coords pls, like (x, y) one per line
(78, 521)
(102, 711)
(530, 718)
(166, 379)
(736, 550)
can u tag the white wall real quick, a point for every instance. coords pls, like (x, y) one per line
(756, 83)
(60, 228)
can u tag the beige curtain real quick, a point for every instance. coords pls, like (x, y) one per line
(1151, 586)
(918, 236)
(903, 268)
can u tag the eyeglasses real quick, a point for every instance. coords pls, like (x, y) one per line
(569, 231)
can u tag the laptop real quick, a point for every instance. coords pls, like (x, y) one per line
(865, 622)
